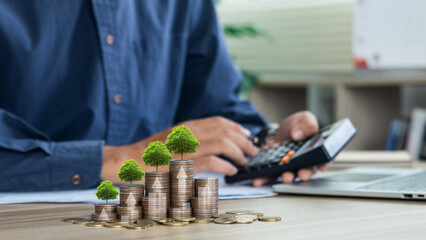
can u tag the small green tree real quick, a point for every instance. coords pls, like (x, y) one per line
(130, 171)
(156, 154)
(181, 141)
(106, 190)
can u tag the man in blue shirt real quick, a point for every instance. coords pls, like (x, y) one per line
(85, 85)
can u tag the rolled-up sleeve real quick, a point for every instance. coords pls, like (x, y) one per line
(30, 161)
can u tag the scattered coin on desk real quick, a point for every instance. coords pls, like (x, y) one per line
(71, 220)
(269, 219)
(94, 224)
(230, 217)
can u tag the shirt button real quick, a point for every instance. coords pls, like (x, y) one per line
(109, 39)
(76, 179)
(117, 98)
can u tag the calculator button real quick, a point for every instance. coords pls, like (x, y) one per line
(285, 159)
(291, 153)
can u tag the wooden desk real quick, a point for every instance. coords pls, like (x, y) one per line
(304, 217)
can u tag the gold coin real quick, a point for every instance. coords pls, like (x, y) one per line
(239, 212)
(269, 219)
(147, 222)
(162, 220)
(94, 224)
(257, 214)
(113, 225)
(121, 222)
(137, 226)
(225, 220)
(185, 219)
(203, 220)
(176, 224)
(71, 220)
(82, 221)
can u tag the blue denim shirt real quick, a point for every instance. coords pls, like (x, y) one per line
(78, 75)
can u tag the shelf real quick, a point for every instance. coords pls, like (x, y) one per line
(358, 78)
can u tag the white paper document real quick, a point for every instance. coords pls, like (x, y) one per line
(225, 192)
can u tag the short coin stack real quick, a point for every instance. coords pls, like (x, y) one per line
(206, 200)
(105, 212)
(130, 203)
(182, 182)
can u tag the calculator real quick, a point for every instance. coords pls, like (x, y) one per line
(320, 149)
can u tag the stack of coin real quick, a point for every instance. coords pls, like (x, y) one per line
(130, 203)
(131, 196)
(129, 213)
(105, 212)
(182, 182)
(157, 184)
(206, 200)
(179, 212)
(207, 187)
(154, 206)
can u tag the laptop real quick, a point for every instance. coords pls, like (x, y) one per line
(369, 182)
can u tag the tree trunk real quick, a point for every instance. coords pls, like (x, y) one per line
(181, 156)
(130, 183)
(107, 202)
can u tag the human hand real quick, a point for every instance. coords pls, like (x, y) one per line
(296, 127)
(217, 136)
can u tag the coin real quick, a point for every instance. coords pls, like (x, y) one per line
(223, 215)
(94, 224)
(113, 225)
(121, 222)
(225, 220)
(203, 220)
(71, 220)
(147, 222)
(137, 226)
(269, 219)
(244, 220)
(258, 214)
(247, 216)
(239, 212)
(162, 220)
(176, 224)
(82, 221)
(185, 219)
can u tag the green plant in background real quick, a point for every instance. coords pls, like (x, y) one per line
(156, 154)
(130, 171)
(106, 191)
(252, 30)
(181, 140)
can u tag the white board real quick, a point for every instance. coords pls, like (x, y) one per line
(390, 34)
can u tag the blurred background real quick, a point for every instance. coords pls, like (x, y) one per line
(362, 59)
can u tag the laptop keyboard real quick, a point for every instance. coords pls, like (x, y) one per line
(415, 182)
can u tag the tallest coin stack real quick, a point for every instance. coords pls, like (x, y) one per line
(182, 187)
